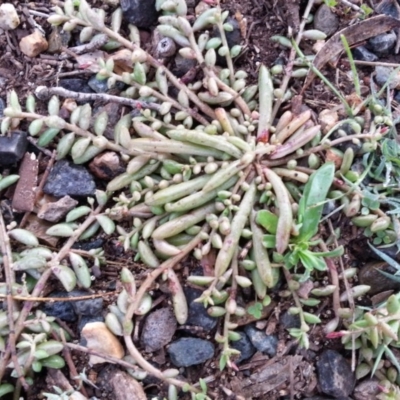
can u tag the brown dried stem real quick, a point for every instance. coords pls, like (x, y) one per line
(26, 309)
(134, 352)
(10, 280)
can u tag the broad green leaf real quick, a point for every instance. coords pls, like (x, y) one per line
(311, 203)
(268, 220)
(311, 262)
(255, 310)
(269, 241)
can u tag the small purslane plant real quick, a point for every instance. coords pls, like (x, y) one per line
(210, 172)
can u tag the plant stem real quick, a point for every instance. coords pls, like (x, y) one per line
(10, 280)
(138, 297)
(26, 309)
(292, 56)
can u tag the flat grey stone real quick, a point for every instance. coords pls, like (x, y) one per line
(185, 352)
(68, 179)
(335, 377)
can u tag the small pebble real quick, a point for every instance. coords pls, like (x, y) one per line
(101, 85)
(382, 44)
(106, 166)
(33, 44)
(158, 329)
(75, 85)
(289, 321)
(88, 307)
(55, 211)
(60, 309)
(183, 65)
(245, 347)
(264, 343)
(165, 48)
(66, 178)
(335, 377)
(198, 315)
(185, 352)
(97, 337)
(141, 13)
(368, 389)
(325, 20)
(12, 147)
(9, 18)
(119, 385)
(363, 54)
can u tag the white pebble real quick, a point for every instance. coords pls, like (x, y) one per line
(8, 17)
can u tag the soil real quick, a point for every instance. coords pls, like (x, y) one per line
(259, 20)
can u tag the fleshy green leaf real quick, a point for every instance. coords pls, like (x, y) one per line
(311, 204)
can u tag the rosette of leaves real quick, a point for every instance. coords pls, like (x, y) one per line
(199, 164)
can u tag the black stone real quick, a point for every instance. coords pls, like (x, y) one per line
(141, 13)
(183, 65)
(383, 74)
(60, 309)
(382, 44)
(264, 343)
(245, 347)
(69, 179)
(335, 377)
(86, 319)
(325, 20)
(88, 307)
(289, 321)
(87, 246)
(185, 352)
(12, 147)
(75, 85)
(363, 54)
(198, 315)
(101, 85)
(158, 329)
(388, 7)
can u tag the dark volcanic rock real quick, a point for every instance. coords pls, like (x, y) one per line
(101, 85)
(158, 329)
(264, 343)
(289, 321)
(325, 20)
(141, 13)
(363, 54)
(76, 85)
(198, 315)
(190, 351)
(245, 347)
(334, 374)
(12, 147)
(88, 307)
(69, 179)
(60, 309)
(382, 44)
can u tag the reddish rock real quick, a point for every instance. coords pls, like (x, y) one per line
(33, 44)
(39, 227)
(106, 165)
(55, 211)
(24, 195)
